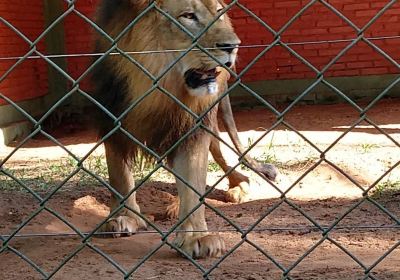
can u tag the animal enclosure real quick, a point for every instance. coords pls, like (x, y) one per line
(331, 126)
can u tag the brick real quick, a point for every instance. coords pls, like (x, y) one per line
(393, 11)
(290, 76)
(330, 23)
(337, 66)
(314, 31)
(374, 71)
(355, 7)
(379, 4)
(342, 30)
(286, 4)
(382, 63)
(366, 13)
(346, 73)
(329, 52)
(361, 64)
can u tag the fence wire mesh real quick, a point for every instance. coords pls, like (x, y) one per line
(86, 238)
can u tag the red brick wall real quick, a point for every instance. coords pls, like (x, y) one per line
(79, 39)
(318, 23)
(28, 80)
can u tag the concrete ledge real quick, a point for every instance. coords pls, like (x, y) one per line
(14, 124)
(283, 91)
(35, 107)
(13, 132)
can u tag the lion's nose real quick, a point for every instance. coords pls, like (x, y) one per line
(229, 48)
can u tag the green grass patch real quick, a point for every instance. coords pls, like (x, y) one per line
(386, 188)
(43, 175)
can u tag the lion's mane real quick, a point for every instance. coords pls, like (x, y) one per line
(156, 120)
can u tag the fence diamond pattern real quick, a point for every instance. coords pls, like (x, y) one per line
(75, 89)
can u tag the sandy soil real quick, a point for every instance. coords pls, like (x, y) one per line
(324, 195)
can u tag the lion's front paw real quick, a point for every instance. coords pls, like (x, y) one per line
(202, 247)
(123, 226)
(238, 194)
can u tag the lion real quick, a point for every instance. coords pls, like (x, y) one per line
(141, 92)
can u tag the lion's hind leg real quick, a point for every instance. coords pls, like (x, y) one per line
(190, 163)
(239, 187)
(121, 179)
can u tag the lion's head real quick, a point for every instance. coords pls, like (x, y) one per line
(154, 32)
(198, 68)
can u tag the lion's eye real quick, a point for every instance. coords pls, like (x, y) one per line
(189, 15)
(220, 10)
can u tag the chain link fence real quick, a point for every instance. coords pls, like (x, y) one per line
(86, 238)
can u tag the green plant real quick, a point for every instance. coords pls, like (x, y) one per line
(213, 167)
(268, 155)
(367, 147)
(386, 188)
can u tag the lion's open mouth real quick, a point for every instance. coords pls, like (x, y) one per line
(196, 78)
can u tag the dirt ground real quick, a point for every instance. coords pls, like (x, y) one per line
(324, 194)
